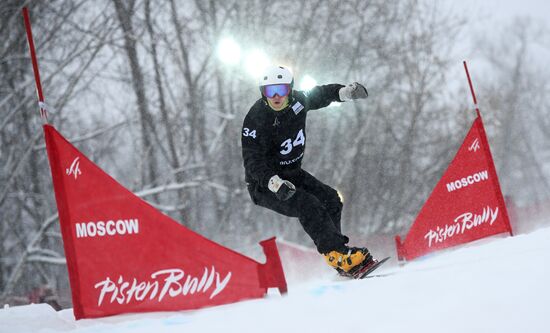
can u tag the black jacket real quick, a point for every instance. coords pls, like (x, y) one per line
(273, 142)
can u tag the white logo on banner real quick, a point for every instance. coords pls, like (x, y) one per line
(467, 181)
(474, 146)
(171, 282)
(74, 169)
(461, 224)
(108, 228)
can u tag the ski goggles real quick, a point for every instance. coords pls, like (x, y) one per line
(276, 89)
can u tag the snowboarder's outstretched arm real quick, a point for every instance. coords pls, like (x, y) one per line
(322, 96)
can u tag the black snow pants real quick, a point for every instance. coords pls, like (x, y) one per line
(317, 206)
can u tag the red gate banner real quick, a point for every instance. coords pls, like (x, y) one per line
(125, 256)
(465, 205)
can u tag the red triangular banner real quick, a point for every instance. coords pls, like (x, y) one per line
(125, 256)
(465, 205)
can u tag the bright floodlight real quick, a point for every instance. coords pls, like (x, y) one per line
(256, 61)
(307, 83)
(229, 51)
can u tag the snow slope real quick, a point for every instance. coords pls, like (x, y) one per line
(494, 285)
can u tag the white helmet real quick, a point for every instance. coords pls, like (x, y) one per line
(276, 75)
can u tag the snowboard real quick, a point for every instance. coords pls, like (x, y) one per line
(364, 272)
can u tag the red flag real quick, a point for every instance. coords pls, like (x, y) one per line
(465, 205)
(125, 256)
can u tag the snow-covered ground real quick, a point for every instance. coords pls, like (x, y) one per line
(494, 285)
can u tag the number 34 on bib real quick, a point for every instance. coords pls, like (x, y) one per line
(248, 132)
(288, 144)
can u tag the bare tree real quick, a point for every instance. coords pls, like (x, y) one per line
(105, 62)
(30, 241)
(517, 105)
(125, 11)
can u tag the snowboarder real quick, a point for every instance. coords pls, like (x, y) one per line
(273, 144)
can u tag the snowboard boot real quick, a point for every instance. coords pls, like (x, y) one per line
(348, 259)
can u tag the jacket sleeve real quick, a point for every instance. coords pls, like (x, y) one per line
(322, 96)
(255, 147)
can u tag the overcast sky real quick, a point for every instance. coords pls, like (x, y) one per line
(489, 19)
(494, 10)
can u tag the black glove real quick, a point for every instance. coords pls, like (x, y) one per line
(283, 189)
(353, 91)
